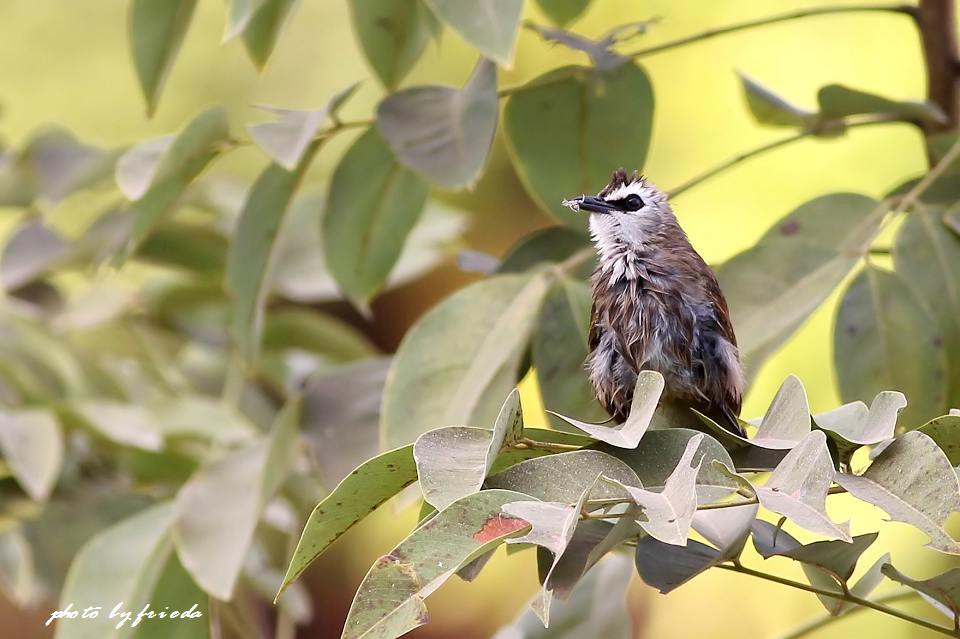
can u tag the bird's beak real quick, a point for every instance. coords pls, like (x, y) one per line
(588, 203)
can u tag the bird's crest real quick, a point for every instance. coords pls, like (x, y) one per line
(620, 178)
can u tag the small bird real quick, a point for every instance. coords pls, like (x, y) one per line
(656, 306)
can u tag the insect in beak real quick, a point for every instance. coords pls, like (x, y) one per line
(589, 203)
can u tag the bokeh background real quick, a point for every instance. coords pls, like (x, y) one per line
(67, 62)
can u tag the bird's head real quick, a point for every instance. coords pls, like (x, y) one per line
(628, 210)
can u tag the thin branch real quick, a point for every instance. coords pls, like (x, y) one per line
(913, 195)
(936, 21)
(827, 619)
(594, 504)
(527, 443)
(784, 17)
(879, 607)
(852, 123)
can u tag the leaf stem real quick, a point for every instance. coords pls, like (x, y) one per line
(760, 22)
(527, 443)
(850, 123)
(875, 605)
(825, 620)
(912, 197)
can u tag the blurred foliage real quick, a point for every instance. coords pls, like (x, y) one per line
(192, 351)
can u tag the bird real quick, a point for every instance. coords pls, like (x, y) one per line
(656, 306)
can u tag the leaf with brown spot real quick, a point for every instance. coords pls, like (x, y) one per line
(358, 495)
(389, 601)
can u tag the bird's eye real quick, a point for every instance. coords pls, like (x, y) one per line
(632, 202)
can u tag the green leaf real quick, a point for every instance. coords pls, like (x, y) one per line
(913, 481)
(442, 133)
(827, 564)
(219, 507)
(263, 30)
(884, 338)
(854, 425)
(390, 602)
(123, 563)
(372, 206)
(769, 108)
(547, 246)
(176, 591)
(359, 494)
(32, 252)
(660, 452)
(461, 359)
(927, 256)
(945, 431)
(560, 349)
(838, 101)
(452, 462)
(646, 396)
(251, 251)
(944, 588)
(289, 138)
(157, 176)
(193, 247)
(565, 476)
(567, 128)
(393, 35)
(157, 28)
(590, 611)
(951, 220)
(32, 446)
(773, 287)
(489, 25)
(563, 12)
(239, 15)
(307, 330)
(668, 566)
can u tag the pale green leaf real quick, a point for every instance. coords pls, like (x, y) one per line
(32, 446)
(489, 25)
(443, 133)
(461, 359)
(263, 30)
(913, 481)
(646, 396)
(219, 507)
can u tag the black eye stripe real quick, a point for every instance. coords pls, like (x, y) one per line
(632, 202)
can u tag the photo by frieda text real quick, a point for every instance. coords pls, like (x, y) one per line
(120, 616)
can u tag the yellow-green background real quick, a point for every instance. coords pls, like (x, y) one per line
(66, 62)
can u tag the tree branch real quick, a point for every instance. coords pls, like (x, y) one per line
(850, 123)
(827, 619)
(936, 20)
(879, 607)
(794, 15)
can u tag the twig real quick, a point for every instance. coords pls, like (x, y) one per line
(825, 620)
(760, 22)
(913, 195)
(769, 146)
(527, 443)
(879, 607)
